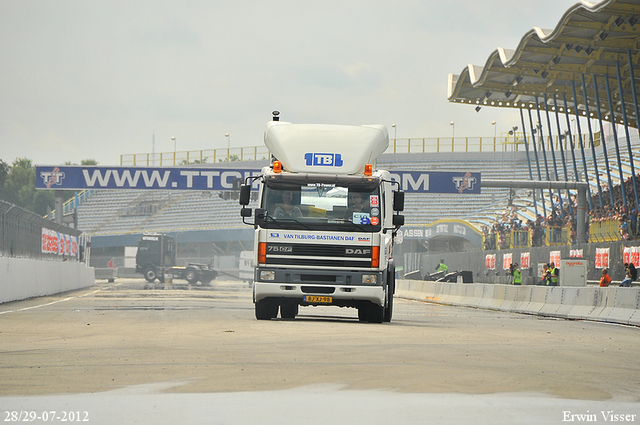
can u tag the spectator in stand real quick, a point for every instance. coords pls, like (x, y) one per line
(605, 280)
(632, 274)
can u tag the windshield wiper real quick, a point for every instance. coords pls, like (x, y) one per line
(281, 220)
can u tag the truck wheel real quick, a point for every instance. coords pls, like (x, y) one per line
(266, 309)
(362, 313)
(376, 313)
(391, 283)
(191, 275)
(288, 310)
(150, 274)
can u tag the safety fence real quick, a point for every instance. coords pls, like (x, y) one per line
(25, 234)
(549, 236)
(605, 231)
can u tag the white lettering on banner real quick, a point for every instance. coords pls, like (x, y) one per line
(423, 180)
(428, 233)
(190, 175)
(91, 181)
(120, 179)
(210, 175)
(155, 176)
(442, 228)
(224, 178)
(461, 230)
(126, 176)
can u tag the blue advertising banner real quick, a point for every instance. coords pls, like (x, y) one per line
(191, 178)
(438, 182)
(166, 178)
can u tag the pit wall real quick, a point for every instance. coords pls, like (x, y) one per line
(612, 304)
(22, 278)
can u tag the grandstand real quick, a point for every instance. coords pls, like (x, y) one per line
(116, 218)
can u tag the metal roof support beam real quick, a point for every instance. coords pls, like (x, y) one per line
(553, 152)
(603, 139)
(526, 149)
(564, 162)
(634, 94)
(573, 153)
(535, 152)
(593, 147)
(581, 187)
(626, 131)
(580, 140)
(615, 139)
(544, 151)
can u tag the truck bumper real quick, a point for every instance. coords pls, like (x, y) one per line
(342, 295)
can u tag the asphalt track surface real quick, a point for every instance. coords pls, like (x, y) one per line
(130, 352)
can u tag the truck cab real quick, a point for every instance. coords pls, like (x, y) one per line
(325, 224)
(155, 251)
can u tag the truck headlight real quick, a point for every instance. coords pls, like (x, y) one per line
(267, 275)
(369, 279)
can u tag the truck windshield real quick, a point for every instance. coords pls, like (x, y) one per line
(321, 206)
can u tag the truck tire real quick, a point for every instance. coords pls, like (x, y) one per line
(150, 274)
(288, 310)
(191, 275)
(370, 312)
(266, 309)
(362, 313)
(376, 313)
(391, 284)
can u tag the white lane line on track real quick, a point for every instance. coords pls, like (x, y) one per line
(53, 302)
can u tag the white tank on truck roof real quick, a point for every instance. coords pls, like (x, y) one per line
(326, 149)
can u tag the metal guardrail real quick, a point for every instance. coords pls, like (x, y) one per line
(206, 156)
(503, 143)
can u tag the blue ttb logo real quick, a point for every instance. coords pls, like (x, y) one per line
(323, 159)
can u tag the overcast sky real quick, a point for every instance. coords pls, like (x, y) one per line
(95, 79)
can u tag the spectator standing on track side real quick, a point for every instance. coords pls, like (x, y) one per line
(442, 267)
(517, 275)
(554, 272)
(545, 274)
(605, 280)
(632, 274)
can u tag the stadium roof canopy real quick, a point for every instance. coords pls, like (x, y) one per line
(593, 41)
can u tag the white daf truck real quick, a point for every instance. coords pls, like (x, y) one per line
(325, 223)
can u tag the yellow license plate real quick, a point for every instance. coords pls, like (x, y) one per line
(316, 299)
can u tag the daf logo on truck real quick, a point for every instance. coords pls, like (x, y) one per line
(317, 200)
(351, 251)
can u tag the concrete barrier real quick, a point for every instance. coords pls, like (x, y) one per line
(612, 304)
(106, 273)
(626, 305)
(22, 278)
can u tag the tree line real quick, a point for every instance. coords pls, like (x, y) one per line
(18, 186)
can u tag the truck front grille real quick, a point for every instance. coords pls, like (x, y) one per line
(343, 256)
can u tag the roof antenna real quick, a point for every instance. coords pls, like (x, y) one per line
(276, 115)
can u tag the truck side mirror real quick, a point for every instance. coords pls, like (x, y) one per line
(245, 194)
(259, 221)
(398, 220)
(245, 212)
(398, 201)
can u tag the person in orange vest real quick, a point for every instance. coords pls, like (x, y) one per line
(605, 280)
